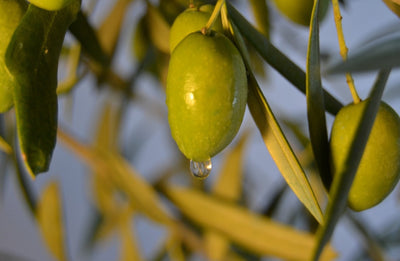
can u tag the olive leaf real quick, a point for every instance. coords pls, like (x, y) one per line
(139, 193)
(32, 58)
(5, 147)
(158, 28)
(275, 140)
(342, 182)
(129, 244)
(83, 31)
(258, 234)
(109, 31)
(49, 216)
(11, 13)
(381, 53)
(315, 100)
(277, 59)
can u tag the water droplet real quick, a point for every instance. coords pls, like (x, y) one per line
(201, 170)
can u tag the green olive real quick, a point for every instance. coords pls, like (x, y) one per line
(379, 168)
(299, 11)
(51, 5)
(189, 21)
(11, 13)
(206, 94)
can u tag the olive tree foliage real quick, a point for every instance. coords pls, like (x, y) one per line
(83, 86)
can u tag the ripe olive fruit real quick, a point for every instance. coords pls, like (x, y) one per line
(51, 5)
(206, 94)
(299, 11)
(11, 13)
(189, 21)
(379, 168)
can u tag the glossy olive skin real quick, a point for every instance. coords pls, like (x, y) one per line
(379, 169)
(51, 5)
(206, 94)
(299, 11)
(11, 13)
(189, 21)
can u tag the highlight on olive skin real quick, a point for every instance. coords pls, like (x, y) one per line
(51, 5)
(379, 169)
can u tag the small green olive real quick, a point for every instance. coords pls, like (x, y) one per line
(299, 11)
(189, 21)
(11, 13)
(51, 5)
(206, 94)
(379, 168)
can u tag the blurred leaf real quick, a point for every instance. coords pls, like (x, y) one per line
(230, 178)
(158, 28)
(253, 232)
(87, 37)
(393, 5)
(228, 186)
(315, 101)
(72, 65)
(344, 178)
(50, 219)
(110, 29)
(376, 55)
(277, 59)
(261, 15)
(174, 247)
(5, 147)
(32, 58)
(11, 13)
(372, 248)
(129, 247)
(116, 170)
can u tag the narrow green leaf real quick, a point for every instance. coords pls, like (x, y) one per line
(275, 140)
(11, 13)
(258, 234)
(280, 149)
(381, 53)
(342, 182)
(277, 59)
(86, 35)
(315, 101)
(50, 219)
(32, 58)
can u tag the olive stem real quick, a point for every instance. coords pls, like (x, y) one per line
(217, 9)
(343, 48)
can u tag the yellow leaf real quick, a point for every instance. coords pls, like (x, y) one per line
(49, 216)
(129, 247)
(253, 232)
(117, 170)
(5, 147)
(111, 27)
